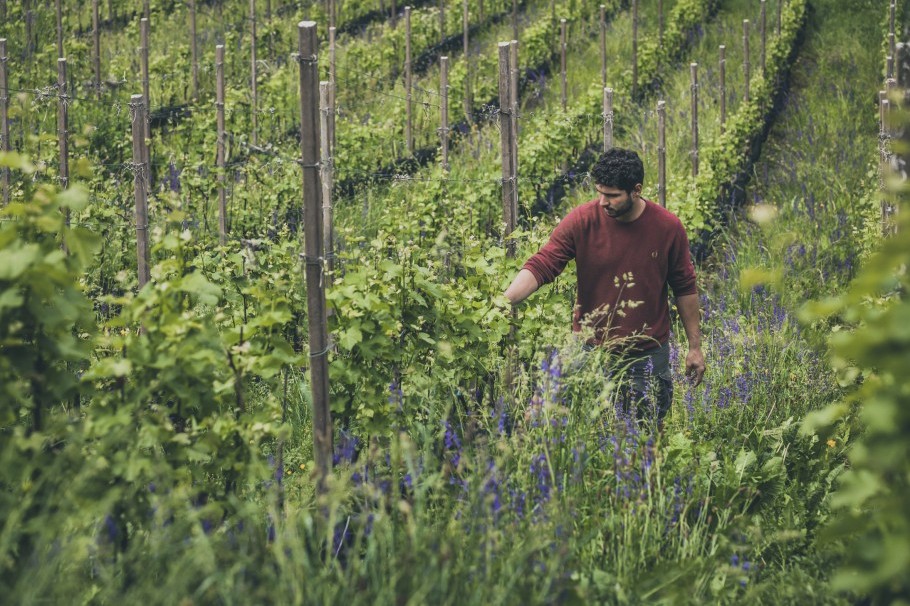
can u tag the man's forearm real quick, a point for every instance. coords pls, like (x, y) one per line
(521, 287)
(690, 314)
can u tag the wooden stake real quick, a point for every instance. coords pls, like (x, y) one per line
(29, 45)
(889, 67)
(764, 37)
(63, 126)
(194, 53)
(513, 97)
(660, 23)
(662, 153)
(465, 27)
(96, 46)
(603, 45)
(4, 118)
(780, 4)
(505, 128)
(514, 19)
(327, 177)
(140, 187)
(254, 97)
(892, 46)
(444, 110)
(634, 49)
(59, 29)
(144, 66)
(693, 73)
(562, 63)
(723, 87)
(220, 146)
(608, 119)
(746, 70)
(882, 103)
(313, 251)
(408, 83)
(333, 87)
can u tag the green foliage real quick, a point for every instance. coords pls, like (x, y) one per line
(871, 496)
(723, 161)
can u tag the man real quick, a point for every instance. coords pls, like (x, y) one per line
(628, 251)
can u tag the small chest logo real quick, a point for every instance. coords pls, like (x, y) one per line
(654, 254)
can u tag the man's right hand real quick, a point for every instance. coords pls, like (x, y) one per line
(521, 287)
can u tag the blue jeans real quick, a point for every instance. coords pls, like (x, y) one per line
(647, 385)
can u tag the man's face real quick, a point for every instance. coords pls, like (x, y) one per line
(616, 202)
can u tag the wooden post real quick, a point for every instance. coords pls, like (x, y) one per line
(603, 45)
(693, 73)
(29, 47)
(408, 83)
(394, 14)
(885, 205)
(660, 23)
(333, 87)
(746, 70)
(562, 63)
(634, 49)
(4, 117)
(514, 19)
(63, 125)
(96, 46)
(882, 99)
(723, 87)
(513, 97)
(313, 250)
(59, 29)
(764, 37)
(465, 26)
(444, 110)
(892, 46)
(608, 119)
(144, 61)
(254, 97)
(147, 13)
(780, 4)
(514, 74)
(194, 53)
(889, 67)
(505, 128)
(220, 143)
(662, 153)
(327, 177)
(140, 187)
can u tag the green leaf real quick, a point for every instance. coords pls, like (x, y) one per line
(82, 243)
(14, 261)
(197, 284)
(350, 337)
(16, 161)
(74, 198)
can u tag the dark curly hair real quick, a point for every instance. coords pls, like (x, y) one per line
(619, 168)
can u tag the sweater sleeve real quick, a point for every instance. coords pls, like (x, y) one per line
(681, 270)
(553, 257)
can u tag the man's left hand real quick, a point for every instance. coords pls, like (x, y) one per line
(695, 365)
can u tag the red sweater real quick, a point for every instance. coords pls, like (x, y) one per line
(623, 270)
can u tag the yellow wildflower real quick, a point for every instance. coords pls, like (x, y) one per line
(832, 443)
